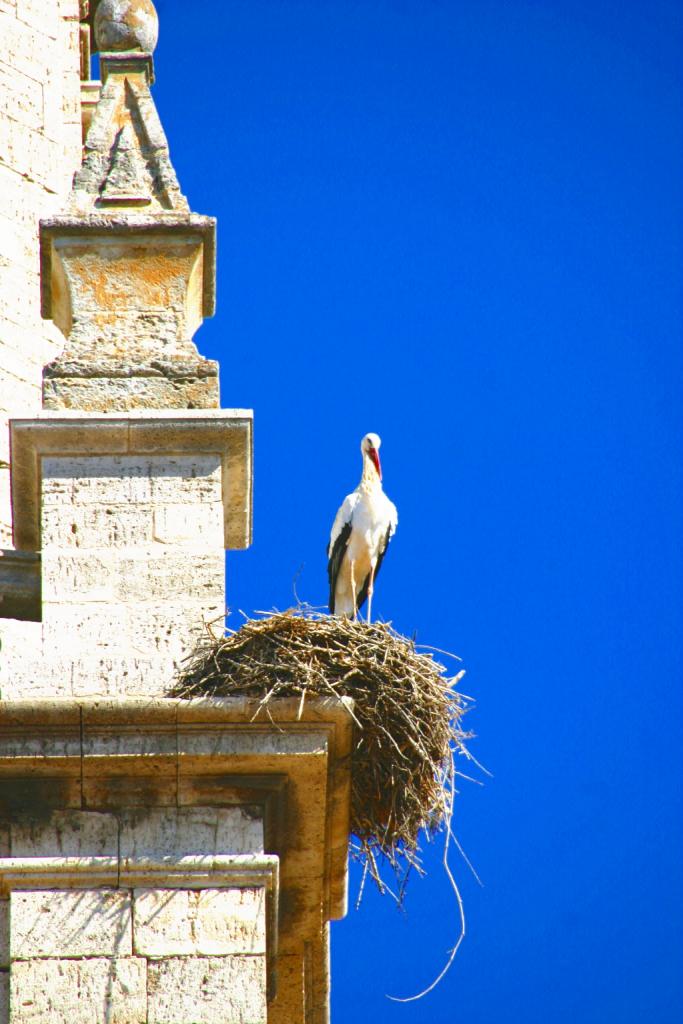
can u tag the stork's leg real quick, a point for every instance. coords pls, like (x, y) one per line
(371, 585)
(353, 592)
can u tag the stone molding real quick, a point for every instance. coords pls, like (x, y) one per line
(127, 61)
(227, 432)
(238, 871)
(294, 759)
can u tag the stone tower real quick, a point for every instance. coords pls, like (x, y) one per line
(161, 861)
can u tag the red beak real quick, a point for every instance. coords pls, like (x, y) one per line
(374, 455)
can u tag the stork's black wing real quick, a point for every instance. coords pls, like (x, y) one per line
(363, 592)
(336, 556)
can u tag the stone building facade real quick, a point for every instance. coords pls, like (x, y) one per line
(161, 861)
(40, 150)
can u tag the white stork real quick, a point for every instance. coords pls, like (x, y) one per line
(360, 534)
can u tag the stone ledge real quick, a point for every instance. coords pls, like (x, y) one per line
(226, 432)
(171, 368)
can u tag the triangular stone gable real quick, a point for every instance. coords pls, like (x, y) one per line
(128, 182)
(126, 161)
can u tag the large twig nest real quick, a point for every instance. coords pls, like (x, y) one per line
(407, 714)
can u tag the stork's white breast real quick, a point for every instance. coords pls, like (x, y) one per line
(372, 516)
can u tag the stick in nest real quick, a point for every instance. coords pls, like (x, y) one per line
(407, 712)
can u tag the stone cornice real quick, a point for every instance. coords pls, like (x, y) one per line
(297, 757)
(227, 432)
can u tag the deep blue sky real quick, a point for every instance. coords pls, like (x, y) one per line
(459, 224)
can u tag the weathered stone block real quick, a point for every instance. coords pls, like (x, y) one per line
(23, 200)
(78, 576)
(17, 364)
(173, 922)
(170, 629)
(24, 46)
(171, 576)
(177, 524)
(126, 633)
(79, 991)
(123, 393)
(80, 922)
(112, 526)
(29, 152)
(67, 834)
(18, 301)
(101, 575)
(99, 479)
(97, 628)
(62, 88)
(207, 990)
(178, 832)
(17, 250)
(42, 18)
(21, 98)
(25, 677)
(103, 478)
(120, 675)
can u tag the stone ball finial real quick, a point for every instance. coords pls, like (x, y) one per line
(126, 25)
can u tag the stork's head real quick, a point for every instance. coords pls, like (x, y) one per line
(370, 449)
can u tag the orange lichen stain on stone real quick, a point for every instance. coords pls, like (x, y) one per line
(120, 117)
(103, 319)
(129, 279)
